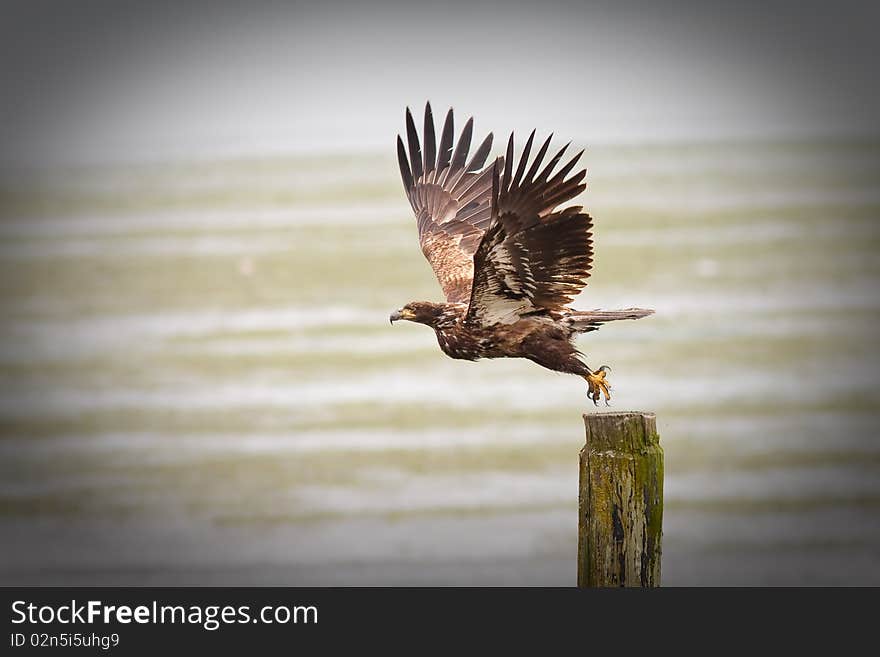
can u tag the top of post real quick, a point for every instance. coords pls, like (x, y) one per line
(622, 431)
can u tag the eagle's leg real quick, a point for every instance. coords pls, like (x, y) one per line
(598, 385)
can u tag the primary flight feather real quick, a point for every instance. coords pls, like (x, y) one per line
(508, 258)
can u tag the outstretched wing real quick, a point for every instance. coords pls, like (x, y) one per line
(450, 197)
(532, 258)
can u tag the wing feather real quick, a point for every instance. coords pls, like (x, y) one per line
(430, 141)
(480, 155)
(444, 156)
(533, 257)
(405, 172)
(508, 167)
(415, 152)
(464, 145)
(530, 176)
(523, 160)
(450, 196)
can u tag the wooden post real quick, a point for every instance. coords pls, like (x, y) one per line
(620, 520)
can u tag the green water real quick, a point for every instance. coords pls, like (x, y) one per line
(200, 384)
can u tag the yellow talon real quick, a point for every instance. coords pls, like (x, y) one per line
(598, 384)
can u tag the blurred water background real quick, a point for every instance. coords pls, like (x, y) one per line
(200, 384)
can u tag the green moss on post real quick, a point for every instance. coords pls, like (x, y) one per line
(620, 520)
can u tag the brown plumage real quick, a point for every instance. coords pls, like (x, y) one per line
(508, 259)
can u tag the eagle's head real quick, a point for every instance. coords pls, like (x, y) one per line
(423, 312)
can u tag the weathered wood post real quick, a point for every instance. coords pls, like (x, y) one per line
(620, 520)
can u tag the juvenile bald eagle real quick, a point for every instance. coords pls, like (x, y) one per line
(508, 260)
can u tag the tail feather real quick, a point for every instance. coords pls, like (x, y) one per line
(583, 321)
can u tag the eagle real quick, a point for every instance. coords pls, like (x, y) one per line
(508, 258)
